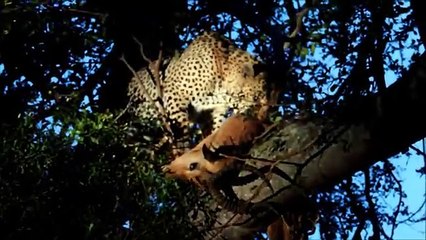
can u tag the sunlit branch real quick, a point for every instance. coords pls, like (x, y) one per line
(299, 21)
(155, 74)
(160, 113)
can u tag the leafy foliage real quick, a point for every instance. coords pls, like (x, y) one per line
(85, 183)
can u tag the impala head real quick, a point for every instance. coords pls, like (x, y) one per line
(198, 164)
(192, 166)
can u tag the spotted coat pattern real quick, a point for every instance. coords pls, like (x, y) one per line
(211, 74)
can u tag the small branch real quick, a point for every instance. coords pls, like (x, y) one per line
(145, 92)
(424, 150)
(327, 145)
(220, 228)
(84, 12)
(122, 112)
(160, 110)
(356, 208)
(21, 7)
(418, 151)
(142, 52)
(408, 219)
(371, 211)
(155, 76)
(398, 208)
(299, 22)
(157, 72)
(245, 158)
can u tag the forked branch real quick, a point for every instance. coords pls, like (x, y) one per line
(158, 108)
(155, 65)
(299, 21)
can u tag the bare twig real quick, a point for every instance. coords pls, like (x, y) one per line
(424, 150)
(227, 224)
(371, 211)
(259, 187)
(398, 208)
(220, 228)
(160, 110)
(145, 92)
(90, 13)
(157, 72)
(408, 219)
(142, 51)
(122, 112)
(249, 157)
(299, 21)
(421, 152)
(418, 151)
(356, 208)
(158, 88)
(7, 9)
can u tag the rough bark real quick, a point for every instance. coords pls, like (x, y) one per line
(329, 150)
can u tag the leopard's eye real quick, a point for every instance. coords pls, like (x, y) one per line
(193, 166)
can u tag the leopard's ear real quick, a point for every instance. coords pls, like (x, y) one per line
(210, 155)
(248, 71)
(252, 70)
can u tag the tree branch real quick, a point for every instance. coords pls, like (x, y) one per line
(159, 109)
(398, 207)
(299, 19)
(377, 54)
(371, 211)
(370, 137)
(356, 208)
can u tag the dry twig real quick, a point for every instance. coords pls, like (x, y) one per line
(299, 21)
(159, 109)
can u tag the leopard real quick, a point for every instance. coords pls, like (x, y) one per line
(210, 75)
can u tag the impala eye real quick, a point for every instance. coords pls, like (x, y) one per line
(193, 166)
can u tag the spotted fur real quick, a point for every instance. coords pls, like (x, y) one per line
(211, 74)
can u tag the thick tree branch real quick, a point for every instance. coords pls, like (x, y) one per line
(374, 130)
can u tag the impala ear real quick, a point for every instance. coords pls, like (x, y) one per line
(209, 155)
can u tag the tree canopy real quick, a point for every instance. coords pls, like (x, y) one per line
(72, 166)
